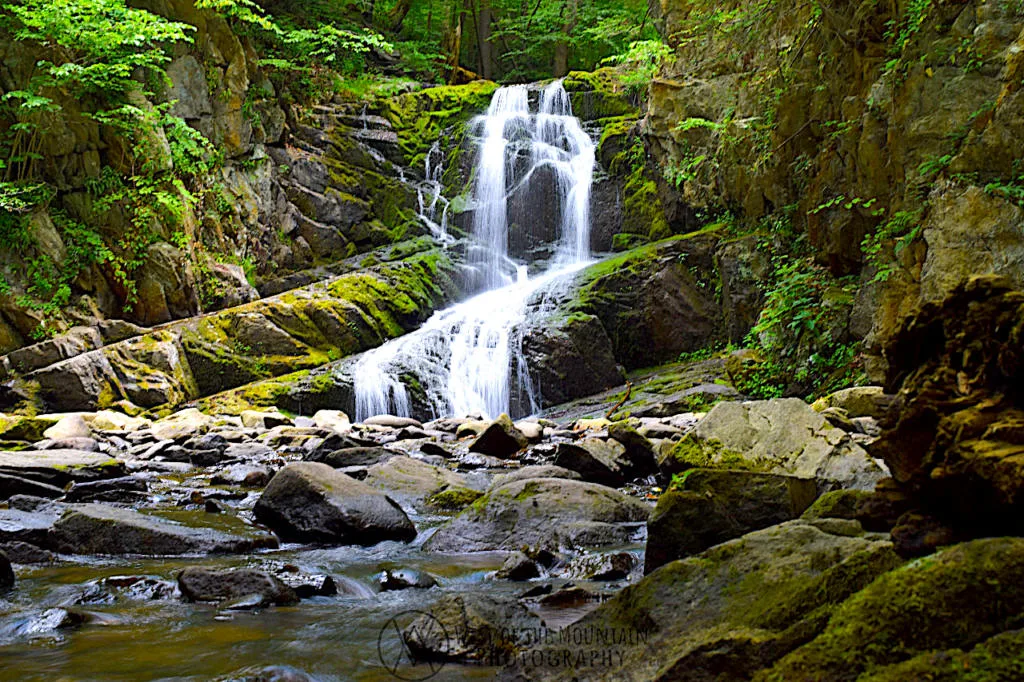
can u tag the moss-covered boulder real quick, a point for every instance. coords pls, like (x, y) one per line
(542, 512)
(955, 599)
(707, 507)
(723, 614)
(786, 436)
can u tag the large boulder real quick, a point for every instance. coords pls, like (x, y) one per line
(723, 614)
(410, 481)
(596, 461)
(713, 506)
(544, 513)
(101, 529)
(961, 597)
(311, 502)
(954, 440)
(784, 436)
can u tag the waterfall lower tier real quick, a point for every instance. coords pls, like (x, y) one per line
(531, 166)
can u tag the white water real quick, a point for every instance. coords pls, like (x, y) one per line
(468, 358)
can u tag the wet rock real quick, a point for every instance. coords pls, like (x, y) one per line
(501, 438)
(203, 584)
(248, 452)
(16, 485)
(404, 579)
(356, 456)
(542, 512)
(60, 467)
(100, 529)
(569, 596)
(270, 673)
(600, 567)
(710, 507)
(311, 502)
(732, 610)
(307, 585)
(141, 587)
(470, 627)
(318, 449)
(24, 553)
(6, 572)
(475, 460)
(652, 428)
(109, 420)
(517, 566)
(245, 475)
(687, 400)
(31, 526)
(471, 427)
(123, 489)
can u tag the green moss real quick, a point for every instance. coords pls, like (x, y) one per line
(692, 452)
(598, 94)
(625, 241)
(420, 117)
(453, 499)
(952, 600)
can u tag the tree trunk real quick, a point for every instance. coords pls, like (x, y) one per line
(561, 65)
(451, 41)
(397, 15)
(483, 37)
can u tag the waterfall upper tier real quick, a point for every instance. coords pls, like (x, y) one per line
(532, 183)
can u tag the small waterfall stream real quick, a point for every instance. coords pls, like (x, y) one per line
(467, 359)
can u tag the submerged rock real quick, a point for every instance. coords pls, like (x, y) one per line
(542, 512)
(203, 584)
(404, 579)
(311, 502)
(472, 627)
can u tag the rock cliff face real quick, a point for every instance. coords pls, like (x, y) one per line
(295, 189)
(894, 123)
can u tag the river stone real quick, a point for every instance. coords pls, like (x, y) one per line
(601, 461)
(108, 420)
(543, 513)
(517, 566)
(501, 438)
(332, 420)
(786, 436)
(712, 506)
(24, 553)
(311, 502)
(534, 471)
(245, 475)
(255, 419)
(204, 584)
(16, 485)
(411, 481)
(182, 425)
(404, 579)
(533, 431)
(6, 572)
(101, 529)
(357, 456)
(392, 421)
(70, 426)
(724, 613)
(470, 627)
(122, 489)
(31, 526)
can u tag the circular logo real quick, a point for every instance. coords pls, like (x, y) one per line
(404, 635)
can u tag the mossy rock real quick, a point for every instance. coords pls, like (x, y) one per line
(420, 117)
(598, 94)
(453, 499)
(952, 600)
(27, 429)
(697, 453)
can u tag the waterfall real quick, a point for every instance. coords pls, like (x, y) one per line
(468, 358)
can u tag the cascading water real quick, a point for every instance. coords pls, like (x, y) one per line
(467, 359)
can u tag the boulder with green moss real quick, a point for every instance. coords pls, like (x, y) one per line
(542, 512)
(706, 507)
(723, 614)
(959, 598)
(786, 436)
